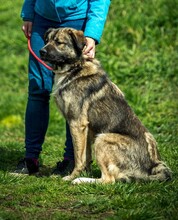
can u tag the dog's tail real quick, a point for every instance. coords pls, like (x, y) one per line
(160, 170)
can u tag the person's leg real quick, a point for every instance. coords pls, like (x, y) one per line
(36, 123)
(68, 151)
(40, 86)
(37, 111)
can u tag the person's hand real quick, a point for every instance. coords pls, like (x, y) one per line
(27, 28)
(89, 48)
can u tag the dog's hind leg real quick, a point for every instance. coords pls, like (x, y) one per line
(160, 172)
(120, 159)
(109, 155)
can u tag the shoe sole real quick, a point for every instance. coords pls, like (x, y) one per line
(19, 174)
(25, 174)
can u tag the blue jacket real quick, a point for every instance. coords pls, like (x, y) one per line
(95, 12)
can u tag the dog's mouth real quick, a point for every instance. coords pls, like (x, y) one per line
(52, 59)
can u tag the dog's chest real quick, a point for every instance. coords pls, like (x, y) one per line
(65, 98)
(57, 92)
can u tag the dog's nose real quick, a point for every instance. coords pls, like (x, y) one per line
(43, 52)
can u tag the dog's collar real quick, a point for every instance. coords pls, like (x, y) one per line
(64, 68)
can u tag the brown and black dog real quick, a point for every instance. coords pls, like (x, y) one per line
(97, 113)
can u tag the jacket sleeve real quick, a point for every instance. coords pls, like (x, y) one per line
(96, 18)
(27, 12)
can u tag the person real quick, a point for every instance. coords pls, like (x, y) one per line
(39, 15)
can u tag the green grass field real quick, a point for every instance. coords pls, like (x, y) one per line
(139, 50)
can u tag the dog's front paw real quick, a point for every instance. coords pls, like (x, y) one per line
(83, 180)
(68, 178)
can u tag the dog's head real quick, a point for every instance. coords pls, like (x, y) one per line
(63, 46)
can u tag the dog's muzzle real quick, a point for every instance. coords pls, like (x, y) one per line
(43, 52)
(48, 56)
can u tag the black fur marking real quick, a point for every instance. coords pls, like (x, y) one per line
(94, 88)
(78, 46)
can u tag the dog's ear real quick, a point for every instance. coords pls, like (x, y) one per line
(78, 39)
(46, 35)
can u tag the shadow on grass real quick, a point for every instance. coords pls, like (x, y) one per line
(9, 158)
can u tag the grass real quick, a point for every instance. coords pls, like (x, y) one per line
(139, 50)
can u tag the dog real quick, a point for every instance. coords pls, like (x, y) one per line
(98, 113)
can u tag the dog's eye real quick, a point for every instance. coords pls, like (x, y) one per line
(59, 42)
(46, 40)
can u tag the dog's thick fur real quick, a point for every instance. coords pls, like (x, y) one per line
(97, 112)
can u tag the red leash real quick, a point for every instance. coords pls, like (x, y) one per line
(36, 57)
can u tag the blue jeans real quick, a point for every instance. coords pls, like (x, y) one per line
(40, 87)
